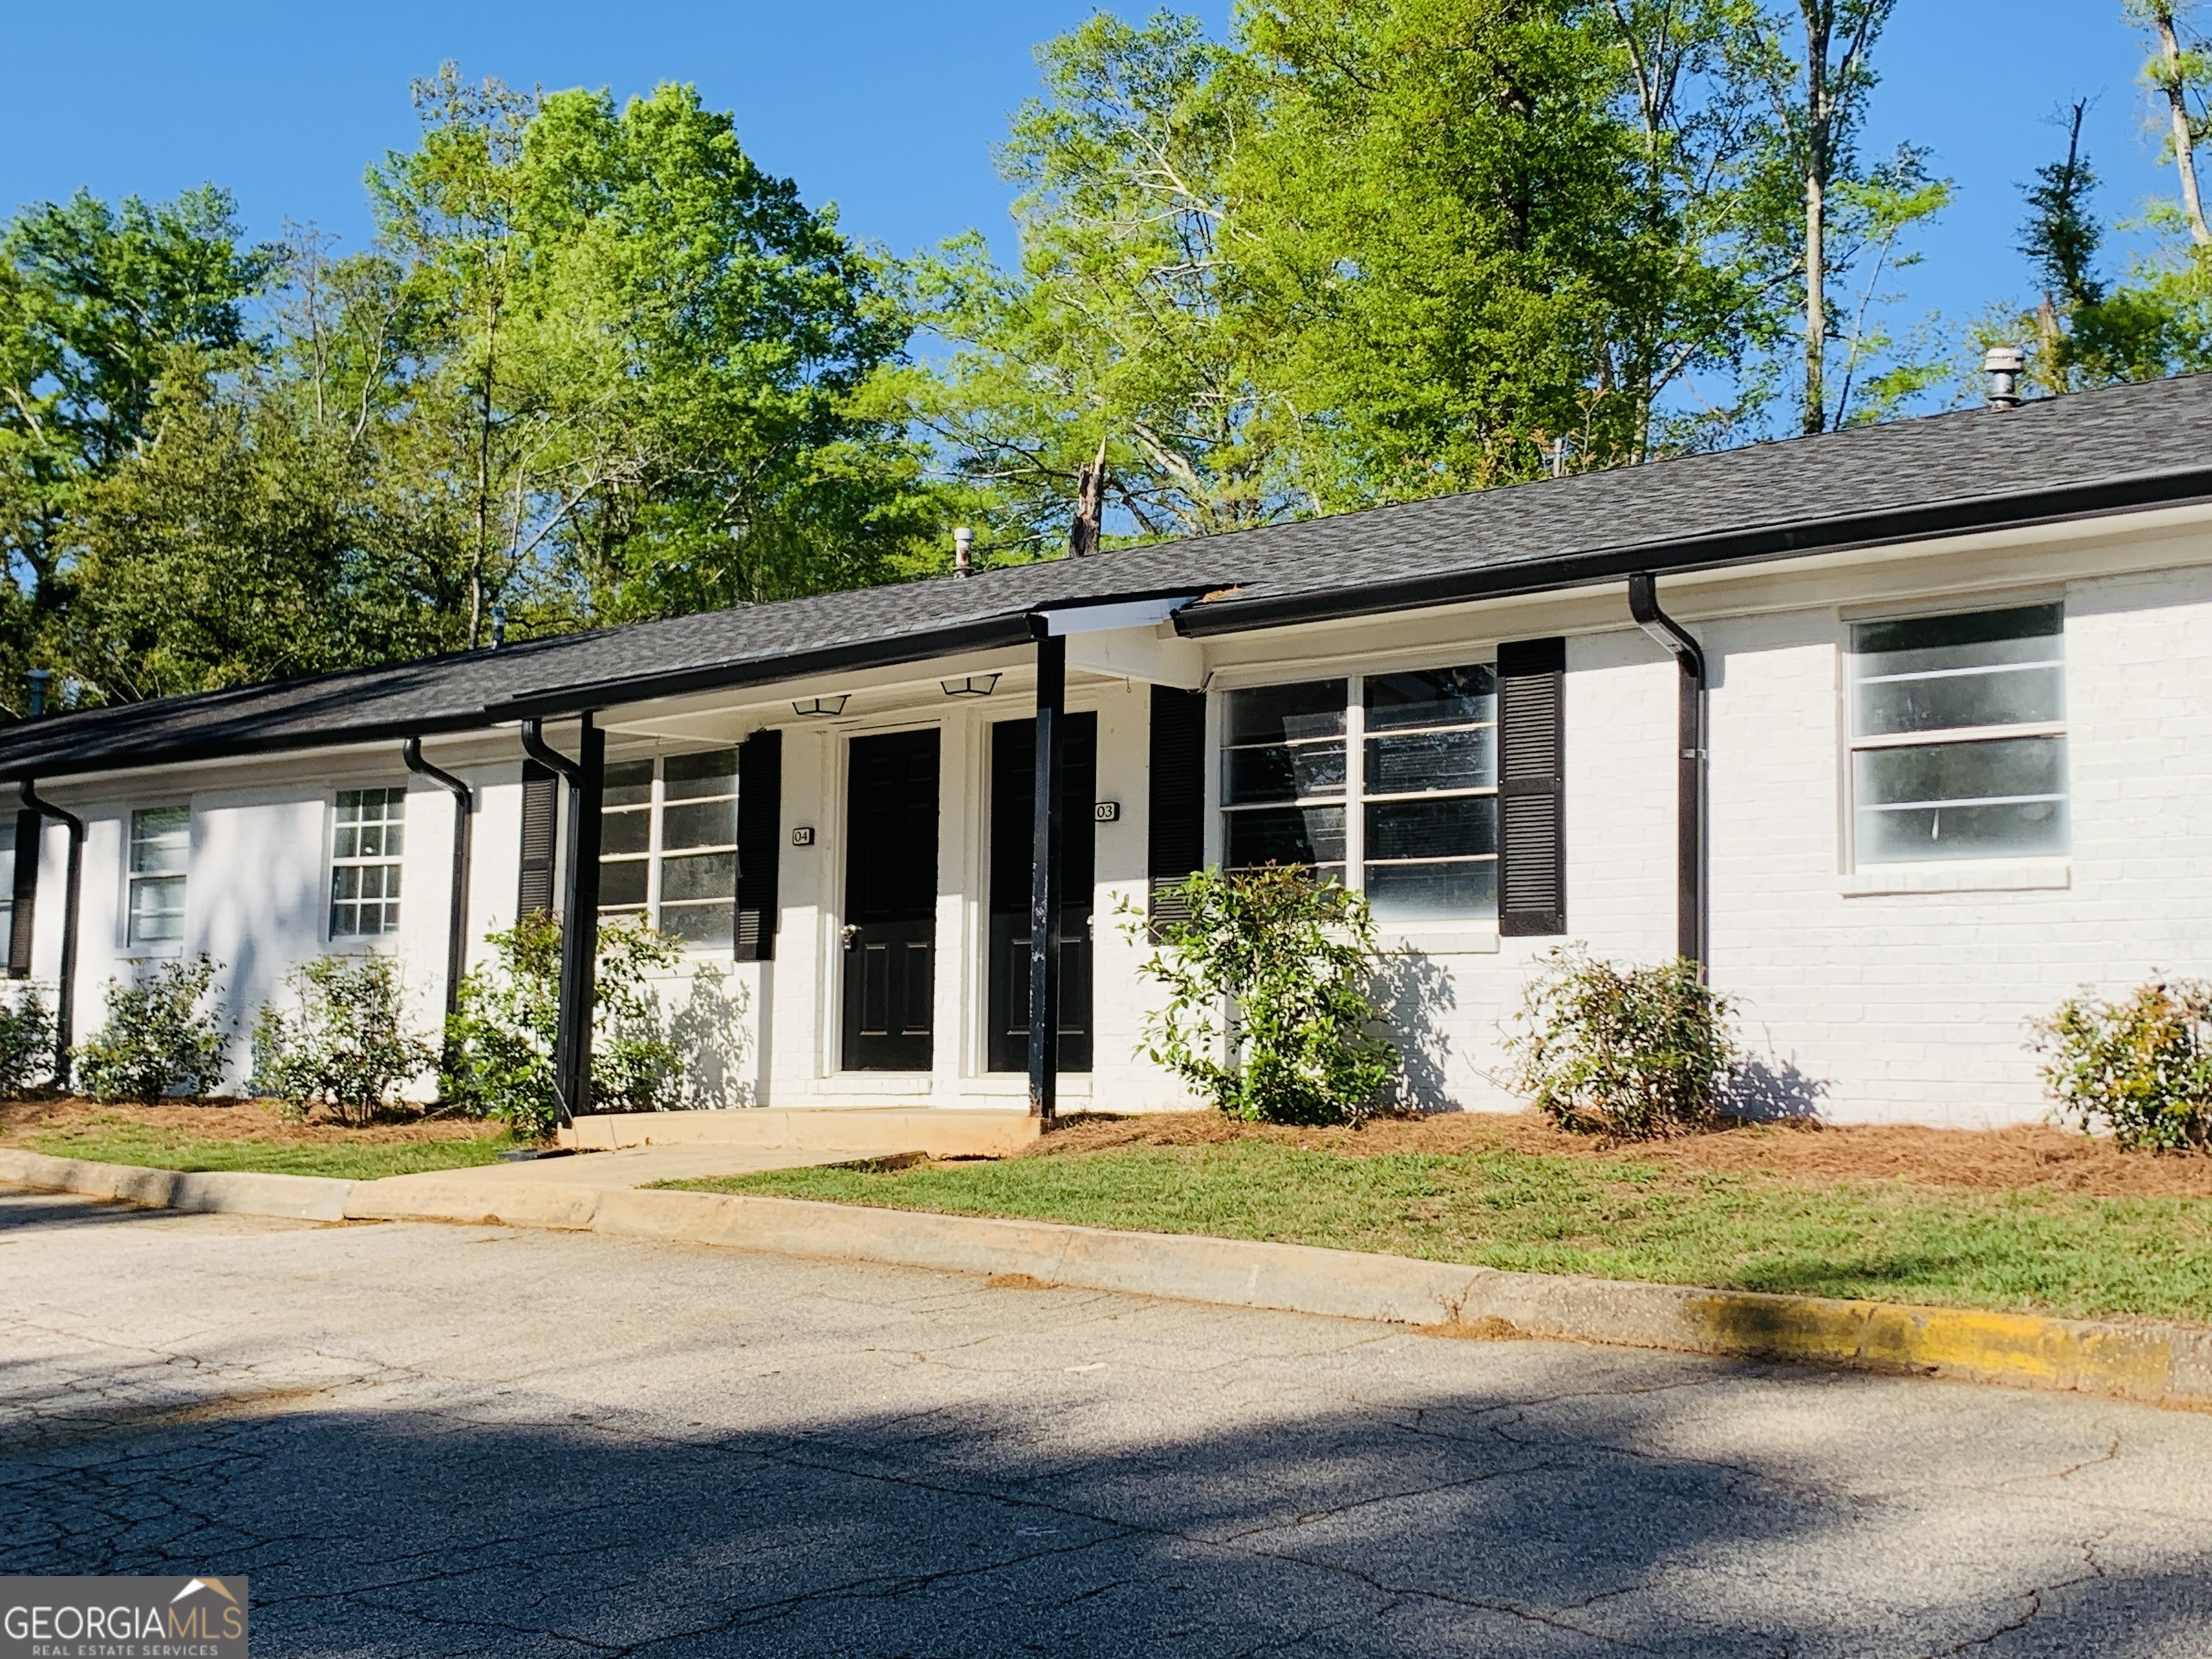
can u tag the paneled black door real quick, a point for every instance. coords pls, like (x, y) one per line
(1013, 792)
(890, 902)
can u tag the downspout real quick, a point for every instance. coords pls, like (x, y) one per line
(456, 925)
(1692, 920)
(580, 920)
(65, 993)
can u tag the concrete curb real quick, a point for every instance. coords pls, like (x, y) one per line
(307, 1198)
(2158, 1364)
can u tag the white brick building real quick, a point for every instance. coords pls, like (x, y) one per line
(1960, 761)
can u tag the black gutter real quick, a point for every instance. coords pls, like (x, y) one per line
(1692, 766)
(457, 923)
(72, 894)
(580, 918)
(1683, 555)
(1005, 630)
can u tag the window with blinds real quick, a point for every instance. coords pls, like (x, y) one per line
(1957, 746)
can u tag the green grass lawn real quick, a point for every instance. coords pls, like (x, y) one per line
(2048, 1252)
(173, 1149)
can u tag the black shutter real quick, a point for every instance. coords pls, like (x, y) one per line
(1177, 835)
(540, 814)
(1532, 882)
(760, 844)
(30, 836)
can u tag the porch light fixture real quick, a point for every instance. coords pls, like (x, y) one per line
(971, 685)
(820, 706)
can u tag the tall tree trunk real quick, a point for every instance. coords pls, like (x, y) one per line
(2184, 142)
(1820, 16)
(1083, 531)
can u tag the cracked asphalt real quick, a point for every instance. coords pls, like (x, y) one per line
(430, 1441)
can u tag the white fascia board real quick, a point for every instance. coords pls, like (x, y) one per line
(1072, 619)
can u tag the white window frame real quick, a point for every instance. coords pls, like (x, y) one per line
(134, 879)
(1356, 797)
(385, 858)
(1943, 874)
(657, 851)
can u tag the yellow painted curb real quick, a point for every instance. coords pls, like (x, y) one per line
(2156, 1362)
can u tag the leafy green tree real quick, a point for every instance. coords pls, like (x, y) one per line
(96, 302)
(1127, 323)
(640, 364)
(2089, 330)
(1842, 217)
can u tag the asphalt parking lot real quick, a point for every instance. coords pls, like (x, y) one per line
(424, 1441)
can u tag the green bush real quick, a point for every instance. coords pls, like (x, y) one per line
(347, 1044)
(156, 1040)
(27, 1037)
(2139, 1068)
(1634, 1052)
(1289, 960)
(499, 1047)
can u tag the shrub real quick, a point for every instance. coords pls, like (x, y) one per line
(347, 1045)
(27, 1037)
(1289, 960)
(1635, 1052)
(499, 1047)
(2141, 1069)
(156, 1041)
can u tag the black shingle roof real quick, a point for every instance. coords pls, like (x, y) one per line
(2124, 446)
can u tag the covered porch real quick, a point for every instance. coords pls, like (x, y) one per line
(933, 862)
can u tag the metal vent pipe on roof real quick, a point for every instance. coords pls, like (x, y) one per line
(39, 680)
(964, 551)
(2004, 365)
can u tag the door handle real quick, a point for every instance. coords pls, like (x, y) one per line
(850, 934)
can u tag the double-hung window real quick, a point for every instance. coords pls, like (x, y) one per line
(365, 851)
(668, 845)
(160, 851)
(1959, 736)
(1413, 825)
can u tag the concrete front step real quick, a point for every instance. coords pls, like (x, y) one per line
(854, 1130)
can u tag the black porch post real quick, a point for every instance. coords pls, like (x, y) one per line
(1045, 876)
(579, 912)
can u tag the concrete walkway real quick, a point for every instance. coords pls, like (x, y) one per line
(641, 1166)
(429, 1441)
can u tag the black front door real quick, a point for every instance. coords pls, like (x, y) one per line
(890, 902)
(1013, 791)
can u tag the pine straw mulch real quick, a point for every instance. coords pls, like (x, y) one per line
(2026, 1157)
(219, 1119)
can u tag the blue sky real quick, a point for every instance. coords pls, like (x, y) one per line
(887, 107)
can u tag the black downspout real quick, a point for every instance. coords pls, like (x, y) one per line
(65, 993)
(1045, 849)
(579, 918)
(456, 925)
(1691, 766)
